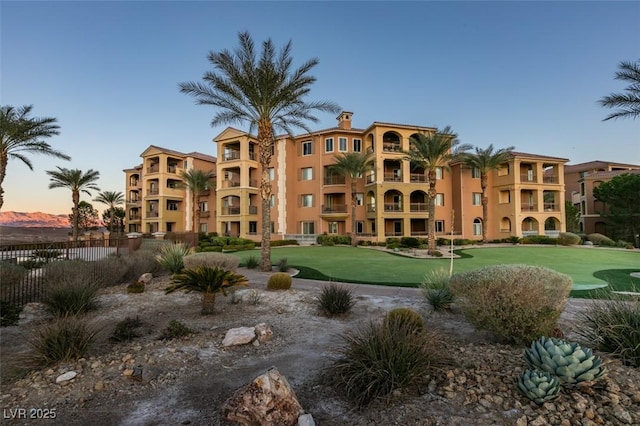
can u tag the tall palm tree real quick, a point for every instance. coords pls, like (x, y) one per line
(20, 134)
(77, 181)
(628, 103)
(486, 160)
(111, 199)
(197, 182)
(433, 151)
(352, 165)
(267, 94)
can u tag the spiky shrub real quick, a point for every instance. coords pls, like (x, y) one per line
(171, 257)
(612, 324)
(9, 313)
(279, 281)
(517, 303)
(569, 362)
(207, 281)
(64, 339)
(135, 287)
(126, 330)
(71, 295)
(174, 330)
(228, 262)
(335, 300)
(254, 297)
(407, 316)
(378, 358)
(538, 386)
(283, 265)
(568, 239)
(140, 262)
(252, 262)
(436, 290)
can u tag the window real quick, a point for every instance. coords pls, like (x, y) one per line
(272, 225)
(204, 206)
(204, 228)
(253, 228)
(307, 148)
(333, 227)
(359, 227)
(440, 226)
(503, 170)
(342, 144)
(439, 199)
(505, 197)
(359, 198)
(328, 145)
(477, 199)
(475, 173)
(272, 200)
(307, 200)
(357, 145)
(306, 173)
(477, 226)
(308, 227)
(438, 172)
(272, 173)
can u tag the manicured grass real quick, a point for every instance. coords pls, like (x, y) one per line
(363, 265)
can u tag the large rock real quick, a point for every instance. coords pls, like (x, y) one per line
(267, 400)
(239, 336)
(145, 278)
(263, 332)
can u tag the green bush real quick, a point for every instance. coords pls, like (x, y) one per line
(65, 339)
(435, 253)
(612, 325)
(517, 303)
(252, 262)
(79, 270)
(171, 257)
(538, 239)
(175, 329)
(224, 261)
(409, 242)
(601, 240)
(283, 265)
(335, 300)
(71, 295)
(406, 316)
(279, 281)
(126, 330)
(568, 239)
(436, 290)
(208, 249)
(135, 287)
(239, 247)
(377, 359)
(32, 264)
(9, 313)
(279, 243)
(331, 240)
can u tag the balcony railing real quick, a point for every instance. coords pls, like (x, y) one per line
(393, 207)
(551, 207)
(334, 180)
(550, 179)
(529, 208)
(418, 207)
(392, 177)
(153, 191)
(230, 210)
(172, 168)
(391, 146)
(253, 209)
(152, 214)
(133, 200)
(420, 233)
(419, 178)
(371, 178)
(153, 169)
(230, 183)
(231, 155)
(393, 234)
(134, 217)
(134, 183)
(205, 214)
(527, 177)
(252, 156)
(334, 208)
(253, 183)
(371, 208)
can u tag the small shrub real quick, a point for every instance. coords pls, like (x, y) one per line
(65, 339)
(514, 239)
(283, 265)
(408, 316)
(377, 359)
(135, 287)
(410, 242)
(126, 330)
(77, 270)
(72, 295)
(112, 270)
(9, 313)
(568, 239)
(335, 300)
(436, 290)
(279, 281)
(254, 297)
(140, 262)
(601, 240)
(171, 257)
(517, 303)
(224, 261)
(175, 329)
(279, 243)
(435, 253)
(538, 239)
(252, 262)
(11, 274)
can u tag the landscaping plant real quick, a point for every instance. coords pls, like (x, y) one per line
(283, 265)
(224, 261)
(279, 281)
(406, 316)
(171, 257)
(174, 330)
(71, 295)
(335, 300)
(9, 313)
(538, 386)
(64, 339)
(126, 330)
(436, 290)
(252, 262)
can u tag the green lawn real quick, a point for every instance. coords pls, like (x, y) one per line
(363, 265)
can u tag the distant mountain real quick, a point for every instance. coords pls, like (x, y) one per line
(34, 220)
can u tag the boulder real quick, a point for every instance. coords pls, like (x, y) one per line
(66, 376)
(267, 400)
(239, 336)
(263, 332)
(145, 278)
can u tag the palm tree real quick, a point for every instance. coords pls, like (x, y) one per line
(197, 182)
(111, 199)
(20, 134)
(352, 165)
(629, 102)
(486, 160)
(267, 94)
(77, 181)
(432, 151)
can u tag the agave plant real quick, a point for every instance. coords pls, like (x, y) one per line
(570, 363)
(538, 386)
(208, 281)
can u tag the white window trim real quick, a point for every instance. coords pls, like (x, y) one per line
(310, 145)
(346, 144)
(326, 142)
(360, 145)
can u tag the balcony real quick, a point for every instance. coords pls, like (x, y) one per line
(231, 155)
(205, 214)
(419, 178)
(419, 207)
(529, 207)
(153, 191)
(391, 147)
(528, 177)
(133, 200)
(252, 156)
(134, 183)
(154, 168)
(392, 177)
(551, 179)
(172, 168)
(152, 214)
(230, 183)
(334, 208)
(551, 207)
(371, 208)
(253, 209)
(393, 207)
(134, 217)
(334, 180)
(253, 183)
(371, 179)
(231, 210)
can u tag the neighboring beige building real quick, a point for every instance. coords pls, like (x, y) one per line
(581, 179)
(525, 197)
(155, 198)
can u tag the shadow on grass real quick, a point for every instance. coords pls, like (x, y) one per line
(314, 274)
(618, 280)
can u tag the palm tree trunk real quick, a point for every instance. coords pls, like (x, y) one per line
(354, 241)
(193, 212)
(265, 143)
(75, 195)
(431, 221)
(208, 302)
(3, 173)
(112, 212)
(485, 206)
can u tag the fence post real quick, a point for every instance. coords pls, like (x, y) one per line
(133, 241)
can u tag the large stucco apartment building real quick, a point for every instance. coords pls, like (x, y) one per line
(526, 196)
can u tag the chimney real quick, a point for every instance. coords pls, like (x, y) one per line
(344, 120)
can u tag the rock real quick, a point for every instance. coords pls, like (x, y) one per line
(145, 278)
(306, 420)
(622, 415)
(99, 386)
(636, 397)
(263, 332)
(522, 421)
(239, 336)
(34, 312)
(66, 376)
(267, 400)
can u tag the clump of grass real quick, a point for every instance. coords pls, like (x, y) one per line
(126, 330)
(174, 330)
(65, 339)
(227, 262)
(254, 297)
(335, 300)
(252, 262)
(171, 257)
(72, 295)
(283, 265)
(406, 316)
(436, 290)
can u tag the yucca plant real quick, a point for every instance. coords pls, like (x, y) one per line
(538, 386)
(436, 291)
(208, 281)
(171, 257)
(252, 262)
(64, 339)
(335, 300)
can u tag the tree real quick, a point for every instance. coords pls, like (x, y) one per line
(622, 197)
(111, 199)
(265, 93)
(572, 217)
(432, 151)
(77, 181)
(628, 103)
(118, 222)
(486, 160)
(20, 134)
(352, 165)
(87, 217)
(196, 182)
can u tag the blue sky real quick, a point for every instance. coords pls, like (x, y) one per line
(527, 74)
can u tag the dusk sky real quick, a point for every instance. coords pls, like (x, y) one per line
(527, 74)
